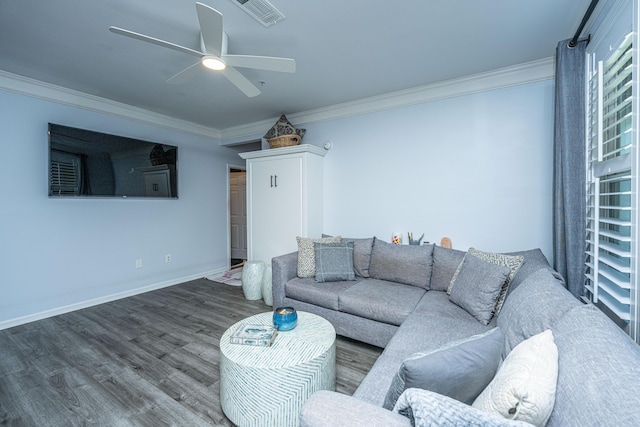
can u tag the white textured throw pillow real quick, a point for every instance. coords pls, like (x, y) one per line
(307, 254)
(525, 386)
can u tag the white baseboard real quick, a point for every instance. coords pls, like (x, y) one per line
(107, 298)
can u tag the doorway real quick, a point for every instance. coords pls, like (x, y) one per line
(238, 216)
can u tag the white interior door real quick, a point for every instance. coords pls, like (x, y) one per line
(238, 213)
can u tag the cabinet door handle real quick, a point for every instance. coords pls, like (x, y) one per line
(275, 180)
(271, 176)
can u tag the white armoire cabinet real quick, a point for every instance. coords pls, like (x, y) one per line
(284, 199)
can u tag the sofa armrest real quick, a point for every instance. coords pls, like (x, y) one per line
(284, 268)
(328, 408)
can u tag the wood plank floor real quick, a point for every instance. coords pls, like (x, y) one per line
(147, 360)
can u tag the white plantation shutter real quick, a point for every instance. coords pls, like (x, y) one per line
(611, 179)
(64, 174)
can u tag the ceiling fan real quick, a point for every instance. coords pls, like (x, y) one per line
(214, 53)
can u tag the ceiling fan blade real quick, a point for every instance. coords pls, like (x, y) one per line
(210, 29)
(241, 82)
(155, 41)
(184, 75)
(285, 65)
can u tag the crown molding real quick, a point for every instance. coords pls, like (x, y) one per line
(37, 89)
(528, 72)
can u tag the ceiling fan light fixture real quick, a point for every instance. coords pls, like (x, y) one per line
(213, 63)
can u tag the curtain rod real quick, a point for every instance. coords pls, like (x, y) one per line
(585, 18)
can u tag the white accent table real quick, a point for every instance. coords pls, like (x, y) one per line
(252, 273)
(267, 285)
(266, 386)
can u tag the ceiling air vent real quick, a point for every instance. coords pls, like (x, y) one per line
(263, 11)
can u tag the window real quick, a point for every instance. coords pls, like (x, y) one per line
(611, 186)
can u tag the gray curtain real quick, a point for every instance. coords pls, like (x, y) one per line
(569, 218)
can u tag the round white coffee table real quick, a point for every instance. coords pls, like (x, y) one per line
(266, 386)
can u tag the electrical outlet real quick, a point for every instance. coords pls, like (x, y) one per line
(167, 258)
(139, 263)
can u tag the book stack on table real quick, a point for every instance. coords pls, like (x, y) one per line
(259, 335)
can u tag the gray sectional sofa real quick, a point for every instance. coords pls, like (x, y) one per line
(407, 310)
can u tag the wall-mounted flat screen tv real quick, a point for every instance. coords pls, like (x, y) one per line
(84, 163)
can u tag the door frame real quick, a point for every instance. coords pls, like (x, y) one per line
(231, 166)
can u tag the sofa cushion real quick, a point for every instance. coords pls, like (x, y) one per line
(425, 408)
(307, 255)
(419, 332)
(437, 303)
(334, 261)
(424, 332)
(525, 386)
(380, 300)
(533, 261)
(599, 368)
(362, 248)
(361, 255)
(445, 263)
(408, 264)
(460, 369)
(513, 262)
(321, 294)
(533, 307)
(478, 286)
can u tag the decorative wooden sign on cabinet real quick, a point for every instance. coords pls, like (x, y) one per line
(284, 199)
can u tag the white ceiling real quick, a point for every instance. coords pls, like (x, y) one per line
(345, 49)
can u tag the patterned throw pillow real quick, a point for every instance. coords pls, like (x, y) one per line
(513, 262)
(427, 408)
(334, 261)
(307, 255)
(283, 127)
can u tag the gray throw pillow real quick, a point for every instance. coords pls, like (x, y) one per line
(362, 248)
(478, 286)
(408, 264)
(334, 261)
(513, 262)
(460, 370)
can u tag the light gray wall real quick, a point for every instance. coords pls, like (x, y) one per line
(57, 253)
(476, 168)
